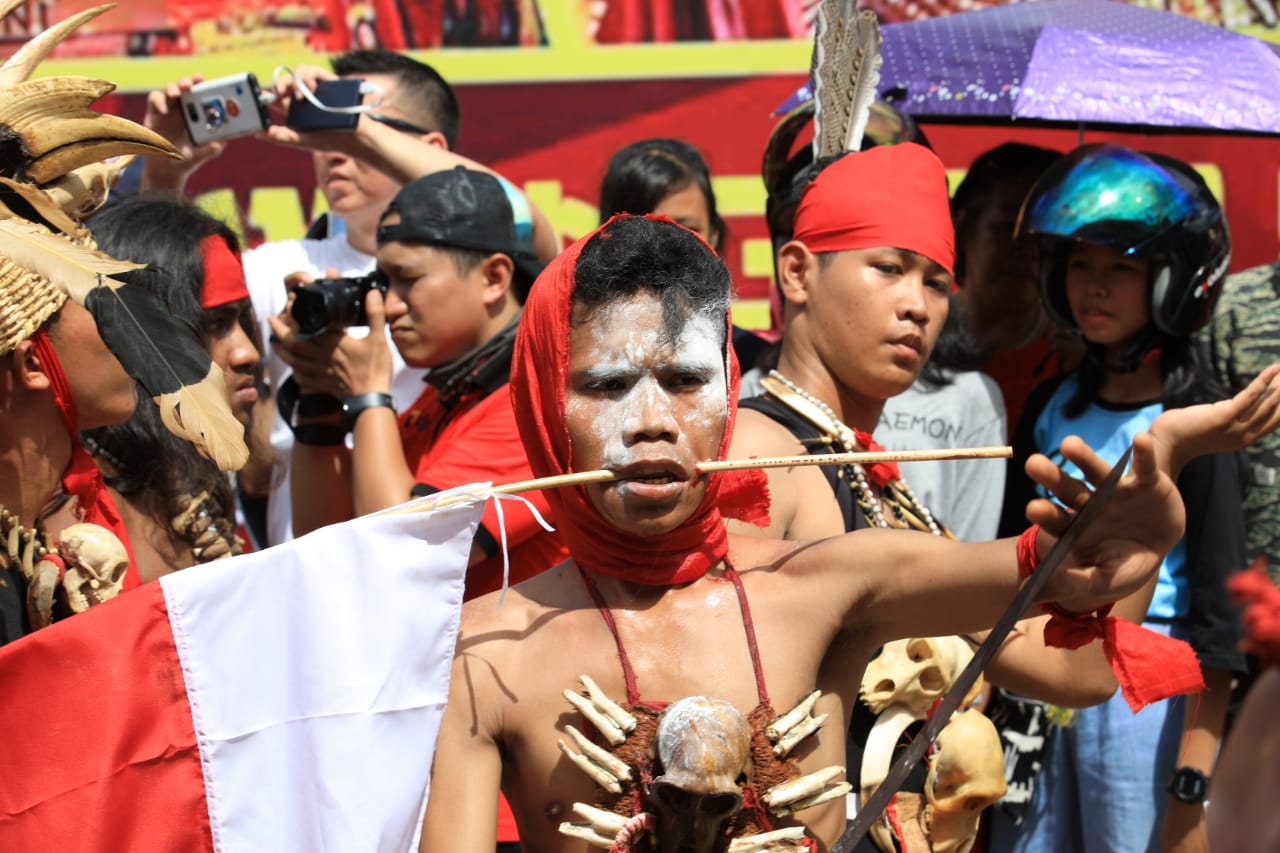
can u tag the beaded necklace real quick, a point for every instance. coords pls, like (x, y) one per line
(904, 509)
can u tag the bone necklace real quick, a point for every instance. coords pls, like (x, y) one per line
(203, 523)
(906, 510)
(88, 565)
(211, 534)
(703, 746)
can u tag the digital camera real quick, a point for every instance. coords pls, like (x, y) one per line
(334, 303)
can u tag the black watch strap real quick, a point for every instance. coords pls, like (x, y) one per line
(353, 406)
(1189, 785)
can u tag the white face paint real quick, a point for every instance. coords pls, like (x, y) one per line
(640, 403)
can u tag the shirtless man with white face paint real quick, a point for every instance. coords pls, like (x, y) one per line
(621, 364)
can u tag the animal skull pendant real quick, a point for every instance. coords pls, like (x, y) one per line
(704, 752)
(966, 775)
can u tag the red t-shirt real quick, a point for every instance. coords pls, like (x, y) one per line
(1017, 371)
(477, 441)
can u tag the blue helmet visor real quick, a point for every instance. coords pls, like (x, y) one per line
(1110, 196)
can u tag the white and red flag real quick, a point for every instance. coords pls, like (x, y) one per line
(284, 700)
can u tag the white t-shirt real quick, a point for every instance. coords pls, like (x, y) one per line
(965, 494)
(265, 269)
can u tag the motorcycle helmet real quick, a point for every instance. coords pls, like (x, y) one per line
(1145, 206)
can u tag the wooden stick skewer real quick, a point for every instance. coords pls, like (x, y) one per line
(714, 466)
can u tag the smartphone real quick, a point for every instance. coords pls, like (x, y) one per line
(224, 108)
(304, 115)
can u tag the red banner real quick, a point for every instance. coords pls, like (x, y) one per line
(555, 139)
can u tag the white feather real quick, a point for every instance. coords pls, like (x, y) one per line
(844, 73)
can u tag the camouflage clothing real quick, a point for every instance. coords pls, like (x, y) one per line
(1243, 338)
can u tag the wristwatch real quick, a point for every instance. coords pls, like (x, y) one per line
(353, 406)
(1189, 785)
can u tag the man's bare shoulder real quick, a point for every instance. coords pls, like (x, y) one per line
(757, 434)
(526, 607)
(798, 509)
(753, 554)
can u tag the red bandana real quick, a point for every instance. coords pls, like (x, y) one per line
(539, 372)
(223, 273)
(82, 479)
(890, 195)
(1148, 666)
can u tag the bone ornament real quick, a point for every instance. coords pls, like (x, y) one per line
(602, 767)
(600, 827)
(966, 774)
(788, 840)
(795, 725)
(41, 586)
(704, 751)
(913, 672)
(609, 718)
(814, 789)
(900, 686)
(96, 562)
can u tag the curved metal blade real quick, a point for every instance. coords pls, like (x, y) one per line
(875, 804)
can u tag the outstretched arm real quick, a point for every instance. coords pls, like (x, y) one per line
(926, 586)
(400, 155)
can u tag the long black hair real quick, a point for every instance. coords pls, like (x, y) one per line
(643, 173)
(148, 464)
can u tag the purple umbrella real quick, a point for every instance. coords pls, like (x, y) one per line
(1084, 62)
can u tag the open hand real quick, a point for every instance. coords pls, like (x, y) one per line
(1229, 425)
(1125, 543)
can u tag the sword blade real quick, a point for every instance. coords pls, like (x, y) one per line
(876, 803)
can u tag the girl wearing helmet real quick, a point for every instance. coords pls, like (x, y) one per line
(1133, 250)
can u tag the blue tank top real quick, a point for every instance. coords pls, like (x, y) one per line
(1109, 429)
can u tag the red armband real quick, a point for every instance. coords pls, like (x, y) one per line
(1148, 666)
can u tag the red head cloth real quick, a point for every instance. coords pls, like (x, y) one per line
(891, 195)
(539, 371)
(223, 273)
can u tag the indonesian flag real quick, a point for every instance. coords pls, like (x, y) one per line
(283, 700)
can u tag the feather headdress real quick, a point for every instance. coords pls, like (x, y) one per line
(844, 74)
(58, 159)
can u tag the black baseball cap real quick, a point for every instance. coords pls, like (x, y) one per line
(464, 209)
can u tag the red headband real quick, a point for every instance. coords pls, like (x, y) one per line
(539, 370)
(82, 479)
(893, 195)
(223, 273)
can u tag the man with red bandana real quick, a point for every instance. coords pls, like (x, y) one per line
(621, 364)
(866, 279)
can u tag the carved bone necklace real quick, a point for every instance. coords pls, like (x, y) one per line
(906, 510)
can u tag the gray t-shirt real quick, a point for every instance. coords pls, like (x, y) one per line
(966, 494)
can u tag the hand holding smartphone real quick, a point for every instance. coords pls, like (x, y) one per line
(234, 106)
(224, 108)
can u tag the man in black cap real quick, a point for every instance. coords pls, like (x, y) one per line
(455, 280)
